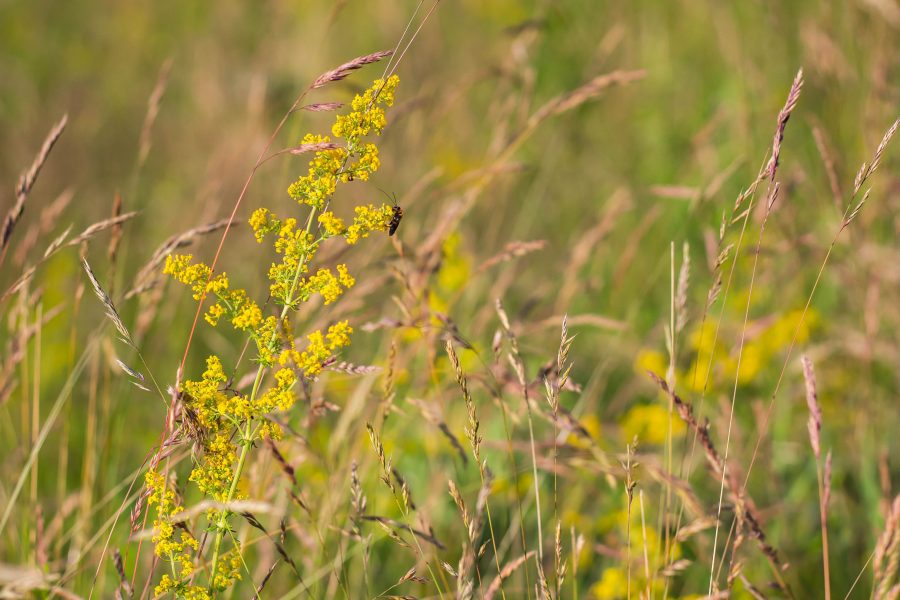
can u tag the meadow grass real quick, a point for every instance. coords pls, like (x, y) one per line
(634, 336)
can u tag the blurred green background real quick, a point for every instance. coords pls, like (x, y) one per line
(612, 187)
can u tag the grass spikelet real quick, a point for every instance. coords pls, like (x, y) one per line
(508, 569)
(153, 104)
(867, 169)
(322, 107)
(814, 426)
(586, 92)
(124, 585)
(26, 182)
(107, 302)
(473, 425)
(348, 67)
(99, 226)
(745, 512)
(886, 560)
(512, 251)
(783, 116)
(681, 294)
(150, 270)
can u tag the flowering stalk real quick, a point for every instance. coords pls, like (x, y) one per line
(212, 414)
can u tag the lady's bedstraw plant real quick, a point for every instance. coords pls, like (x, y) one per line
(226, 423)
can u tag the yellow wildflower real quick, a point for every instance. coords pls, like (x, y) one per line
(331, 224)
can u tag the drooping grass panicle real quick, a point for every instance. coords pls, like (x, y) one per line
(26, 182)
(108, 305)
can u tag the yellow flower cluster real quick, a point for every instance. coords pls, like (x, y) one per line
(331, 224)
(222, 420)
(320, 350)
(230, 569)
(213, 476)
(318, 185)
(367, 115)
(327, 284)
(180, 268)
(166, 545)
(368, 219)
(244, 313)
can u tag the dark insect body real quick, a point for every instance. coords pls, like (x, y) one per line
(395, 220)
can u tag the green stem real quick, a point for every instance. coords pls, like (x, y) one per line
(223, 517)
(248, 437)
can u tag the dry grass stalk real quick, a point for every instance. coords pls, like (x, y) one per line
(124, 585)
(289, 472)
(473, 425)
(153, 104)
(561, 564)
(322, 106)
(814, 424)
(391, 524)
(148, 271)
(115, 238)
(829, 163)
(383, 460)
(783, 116)
(15, 350)
(279, 545)
(47, 221)
(107, 302)
(506, 573)
(628, 466)
(511, 251)
(99, 226)
(348, 67)
(305, 148)
(584, 93)
(26, 182)
(353, 369)
(744, 512)
(59, 243)
(866, 169)
(681, 294)
(886, 560)
(358, 501)
(265, 580)
(465, 583)
(515, 359)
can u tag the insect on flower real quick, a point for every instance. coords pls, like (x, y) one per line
(398, 214)
(395, 220)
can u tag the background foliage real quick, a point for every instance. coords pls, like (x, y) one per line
(612, 187)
